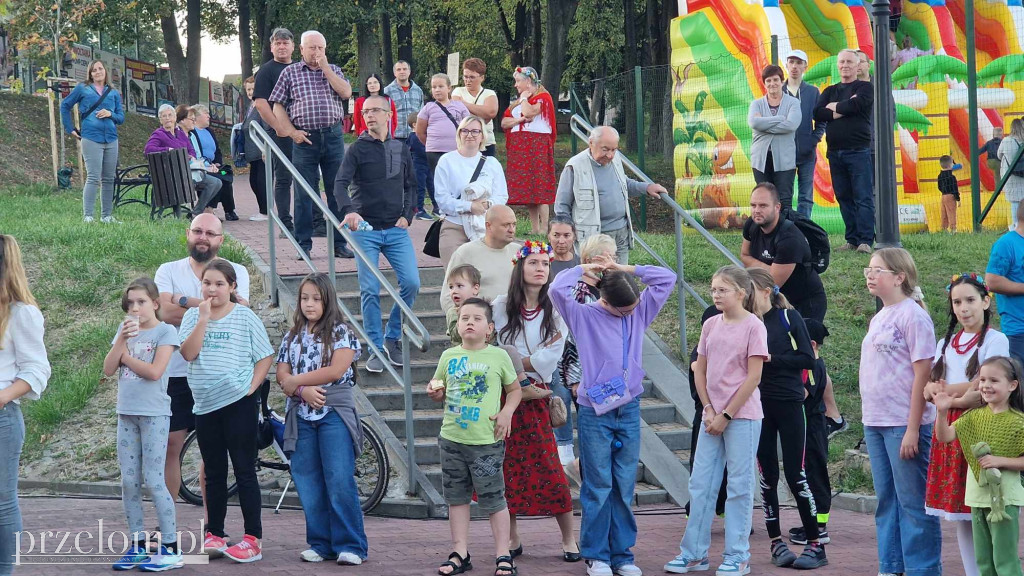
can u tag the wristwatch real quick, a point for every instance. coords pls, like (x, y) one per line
(183, 301)
(727, 415)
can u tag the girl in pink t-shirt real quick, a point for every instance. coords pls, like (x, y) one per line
(731, 352)
(896, 357)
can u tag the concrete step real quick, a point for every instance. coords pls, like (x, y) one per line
(439, 342)
(656, 411)
(427, 300)
(675, 435)
(684, 457)
(427, 422)
(349, 281)
(422, 372)
(393, 398)
(434, 322)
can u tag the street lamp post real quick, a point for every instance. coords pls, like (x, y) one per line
(886, 208)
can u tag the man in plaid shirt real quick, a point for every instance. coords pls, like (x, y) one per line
(408, 99)
(308, 108)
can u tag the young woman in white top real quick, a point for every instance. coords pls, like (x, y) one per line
(24, 371)
(481, 102)
(453, 175)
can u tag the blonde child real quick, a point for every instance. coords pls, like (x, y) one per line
(995, 506)
(469, 379)
(732, 349)
(139, 355)
(895, 358)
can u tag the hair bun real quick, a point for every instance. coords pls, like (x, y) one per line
(917, 295)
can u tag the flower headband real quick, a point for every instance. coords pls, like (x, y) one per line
(531, 247)
(978, 280)
(529, 73)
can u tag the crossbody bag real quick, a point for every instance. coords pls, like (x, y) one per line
(614, 392)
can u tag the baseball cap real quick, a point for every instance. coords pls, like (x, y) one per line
(797, 54)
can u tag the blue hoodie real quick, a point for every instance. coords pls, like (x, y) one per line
(96, 129)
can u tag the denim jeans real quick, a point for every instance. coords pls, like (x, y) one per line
(396, 246)
(12, 436)
(563, 434)
(607, 528)
(853, 183)
(100, 168)
(424, 184)
(1016, 346)
(735, 448)
(322, 155)
(805, 185)
(909, 540)
(322, 467)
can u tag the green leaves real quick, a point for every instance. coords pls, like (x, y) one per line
(929, 69)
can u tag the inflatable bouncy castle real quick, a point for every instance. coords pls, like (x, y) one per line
(719, 48)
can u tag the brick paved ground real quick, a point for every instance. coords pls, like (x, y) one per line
(254, 235)
(417, 546)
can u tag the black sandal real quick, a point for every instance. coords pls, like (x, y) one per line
(517, 552)
(464, 564)
(511, 570)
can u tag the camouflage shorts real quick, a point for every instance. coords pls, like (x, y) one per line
(466, 468)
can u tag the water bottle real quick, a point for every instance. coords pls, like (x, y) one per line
(363, 226)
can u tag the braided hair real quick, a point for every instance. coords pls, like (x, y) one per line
(973, 366)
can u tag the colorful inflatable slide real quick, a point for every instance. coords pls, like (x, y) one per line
(719, 48)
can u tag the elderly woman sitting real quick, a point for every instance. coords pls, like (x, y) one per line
(170, 136)
(774, 120)
(466, 184)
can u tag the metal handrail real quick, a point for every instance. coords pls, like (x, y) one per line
(413, 331)
(1000, 185)
(582, 128)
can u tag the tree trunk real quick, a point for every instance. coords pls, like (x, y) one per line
(175, 58)
(245, 38)
(403, 35)
(385, 35)
(194, 34)
(261, 14)
(537, 39)
(367, 52)
(630, 62)
(561, 14)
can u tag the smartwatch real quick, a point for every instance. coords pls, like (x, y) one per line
(727, 415)
(183, 301)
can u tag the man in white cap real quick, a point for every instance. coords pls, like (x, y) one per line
(809, 133)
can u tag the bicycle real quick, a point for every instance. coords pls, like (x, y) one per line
(372, 471)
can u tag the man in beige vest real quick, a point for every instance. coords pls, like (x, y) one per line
(594, 191)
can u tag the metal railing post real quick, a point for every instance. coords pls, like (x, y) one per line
(268, 171)
(677, 222)
(410, 435)
(330, 254)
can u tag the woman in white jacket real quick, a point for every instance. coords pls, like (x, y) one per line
(774, 120)
(24, 371)
(462, 199)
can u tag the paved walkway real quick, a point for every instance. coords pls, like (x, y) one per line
(254, 235)
(417, 546)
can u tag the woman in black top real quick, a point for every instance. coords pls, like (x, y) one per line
(782, 399)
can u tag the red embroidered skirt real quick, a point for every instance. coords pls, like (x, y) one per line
(535, 483)
(947, 479)
(530, 168)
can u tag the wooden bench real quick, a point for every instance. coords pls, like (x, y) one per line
(172, 184)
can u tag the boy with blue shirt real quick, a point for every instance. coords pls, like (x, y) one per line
(1005, 277)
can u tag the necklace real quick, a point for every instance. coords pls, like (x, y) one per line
(964, 348)
(529, 314)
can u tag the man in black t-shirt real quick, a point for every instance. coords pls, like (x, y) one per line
(776, 244)
(282, 45)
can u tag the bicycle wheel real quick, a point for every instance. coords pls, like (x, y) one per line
(190, 460)
(373, 470)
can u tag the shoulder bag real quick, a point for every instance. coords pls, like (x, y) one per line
(613, 393)
(432, 241)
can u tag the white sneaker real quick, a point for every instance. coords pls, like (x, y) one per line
(110, 220)
(310, 556)
(349, 559)
(598, 568)
(257, 218)
(628, 570)
(89, 219)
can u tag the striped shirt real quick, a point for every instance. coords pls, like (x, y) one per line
(311, 101)
(406, 102)
(222, 373)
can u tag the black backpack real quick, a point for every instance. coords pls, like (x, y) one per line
(816, 237)
(1018, 168)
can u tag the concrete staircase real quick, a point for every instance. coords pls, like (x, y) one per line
(661, 475)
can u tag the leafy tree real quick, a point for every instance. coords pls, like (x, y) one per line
(49, 28)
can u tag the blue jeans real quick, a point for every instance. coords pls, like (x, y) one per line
(563, 434)
(322, 467)
(909, 540)
(737, 449)
(805, 186)
(12, 436)
(322, 155)
(396, 246)
(1016, 346)
(853, 183)
(424, 184)
(608, 529)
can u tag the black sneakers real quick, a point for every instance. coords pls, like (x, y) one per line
(782, 556)
(834, 427)
(812, 557)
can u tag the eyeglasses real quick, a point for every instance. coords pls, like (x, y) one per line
(368, 111)
(207, 233)
(472, 132)
(721, 291)
(869, 272)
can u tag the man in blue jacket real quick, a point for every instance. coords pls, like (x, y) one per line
(809, 133)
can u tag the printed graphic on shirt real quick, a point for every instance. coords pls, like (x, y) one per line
(467, 384)
(888, 340)
(139, 349)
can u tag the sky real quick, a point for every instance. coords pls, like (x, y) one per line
(220, 59)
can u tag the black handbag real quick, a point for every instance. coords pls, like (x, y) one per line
(432, 241)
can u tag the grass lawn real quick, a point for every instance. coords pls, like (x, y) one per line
(76, 272)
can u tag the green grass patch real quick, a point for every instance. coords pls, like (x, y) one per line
(77, 271)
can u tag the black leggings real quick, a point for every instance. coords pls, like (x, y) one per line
(231, 432)
(816, 465)
(785, 421)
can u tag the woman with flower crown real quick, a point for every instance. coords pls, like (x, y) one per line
(529, 125)
(535, 484)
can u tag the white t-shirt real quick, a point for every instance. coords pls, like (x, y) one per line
(479, 99)
(996, 344)
(177, 277)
